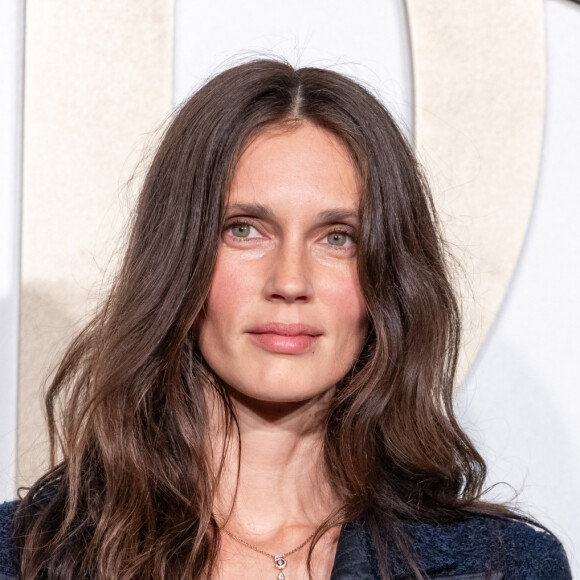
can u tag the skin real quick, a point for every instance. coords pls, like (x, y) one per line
(290, 266)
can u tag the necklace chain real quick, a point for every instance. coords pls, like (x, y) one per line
(263, 551)
(279, 559)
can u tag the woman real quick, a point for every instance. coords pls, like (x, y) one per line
(267, 390)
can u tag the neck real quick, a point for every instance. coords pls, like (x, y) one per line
(283, 486)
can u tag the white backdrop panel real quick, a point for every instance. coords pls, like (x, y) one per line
(522, 399)
(368, 41)
(11, 69)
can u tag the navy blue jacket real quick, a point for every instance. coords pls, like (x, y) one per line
(474, 549)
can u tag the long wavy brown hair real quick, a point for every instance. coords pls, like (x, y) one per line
(130, 490)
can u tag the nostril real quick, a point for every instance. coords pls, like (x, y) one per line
(289, 298)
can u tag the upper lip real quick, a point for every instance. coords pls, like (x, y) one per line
(285, 329)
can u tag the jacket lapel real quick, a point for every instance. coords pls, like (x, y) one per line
(352, 560)
(356, 559)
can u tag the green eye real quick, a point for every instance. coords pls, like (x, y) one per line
(241, 230)
(337, 238)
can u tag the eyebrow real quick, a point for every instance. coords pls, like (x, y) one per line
(264, 212)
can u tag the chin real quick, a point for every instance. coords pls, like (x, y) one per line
(279, 392)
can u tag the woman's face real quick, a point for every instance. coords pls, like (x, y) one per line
(285, 318)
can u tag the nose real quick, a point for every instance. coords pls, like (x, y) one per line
(289, 279)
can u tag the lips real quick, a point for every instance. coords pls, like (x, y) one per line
(284, 338)
(285, 329)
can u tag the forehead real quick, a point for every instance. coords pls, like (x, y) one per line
(304, 166)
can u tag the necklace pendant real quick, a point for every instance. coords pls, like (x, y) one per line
(280, 563)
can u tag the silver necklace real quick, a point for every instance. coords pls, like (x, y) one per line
(279, 561)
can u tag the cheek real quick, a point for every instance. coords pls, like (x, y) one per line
(221, 292)
(231, 288)
(344, 296)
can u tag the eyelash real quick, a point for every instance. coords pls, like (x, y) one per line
(335, 231)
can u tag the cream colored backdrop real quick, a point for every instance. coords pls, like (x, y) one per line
(479, 70)
(98, 82)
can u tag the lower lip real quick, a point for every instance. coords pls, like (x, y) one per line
(284, 344)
